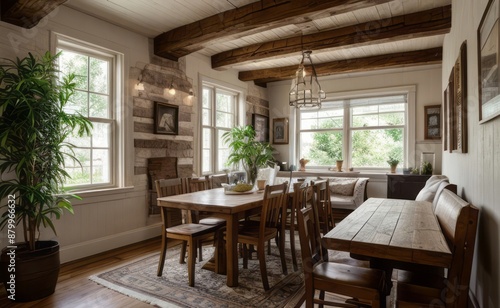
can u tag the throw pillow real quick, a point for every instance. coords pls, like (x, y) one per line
(342, 186)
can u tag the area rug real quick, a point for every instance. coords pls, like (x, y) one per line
(138, 280)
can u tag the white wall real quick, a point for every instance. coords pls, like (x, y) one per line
(476, 173)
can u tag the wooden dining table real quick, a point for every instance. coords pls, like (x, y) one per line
(231, 207)
(392, 229)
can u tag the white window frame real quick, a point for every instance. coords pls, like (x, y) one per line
(238, 114)
(118, 178)
(409, 130)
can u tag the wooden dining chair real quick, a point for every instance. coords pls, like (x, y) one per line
(301, 198)
(195, 184)
(364, 286)
(189, 233)
(458, 221)
(259, 234)
(217, 180)
(321, 200)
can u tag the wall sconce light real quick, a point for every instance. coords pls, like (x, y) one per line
(191, 93)
(171, 89)
(139, 86)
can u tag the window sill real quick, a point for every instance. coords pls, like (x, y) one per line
(101, 195)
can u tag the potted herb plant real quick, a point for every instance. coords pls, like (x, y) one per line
(251, 153)
(34, 125)
(393, 162)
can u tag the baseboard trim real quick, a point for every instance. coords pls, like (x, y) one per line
(92, 247)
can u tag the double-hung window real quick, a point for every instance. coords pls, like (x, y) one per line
(365, 132)
(219, 115)
(94, 71)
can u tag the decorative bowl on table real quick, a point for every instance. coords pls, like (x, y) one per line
(239, 188)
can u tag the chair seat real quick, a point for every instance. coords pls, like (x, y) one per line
(251, 234)
(346, 279)
(191, 229)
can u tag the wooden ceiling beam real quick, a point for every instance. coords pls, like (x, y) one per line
(248, 19)
(395, 60)
(26, 13)
(426, 23)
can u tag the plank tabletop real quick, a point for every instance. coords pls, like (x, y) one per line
(400, 230)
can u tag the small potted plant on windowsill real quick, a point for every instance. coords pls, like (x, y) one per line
(34, 126)
(393, 162)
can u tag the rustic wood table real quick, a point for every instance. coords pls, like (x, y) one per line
(392, 229)
(232, 208)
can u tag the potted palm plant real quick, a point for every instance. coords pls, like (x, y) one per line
(34, 125)
(251, 153)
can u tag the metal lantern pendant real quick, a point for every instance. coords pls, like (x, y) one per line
(306, 91)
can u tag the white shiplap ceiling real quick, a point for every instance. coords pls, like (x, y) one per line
(153, 17)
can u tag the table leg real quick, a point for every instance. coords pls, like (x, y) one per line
(232, 251)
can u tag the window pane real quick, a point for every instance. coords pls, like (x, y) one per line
(99, 105)
(207, 97)
(224, 102)
(100, 166)
(205, 117)
(223, 152)
(78, 103)
(101, 134)
(321, 148)
(225, 120)
(366, 153)
(73, 63)
(207, 150)
(322, 119)
(80, 174)
(99, 76)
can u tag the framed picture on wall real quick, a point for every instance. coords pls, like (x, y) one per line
(488, 61)
(260, 124)
(166, 119)
(432, 122)
(280, 131)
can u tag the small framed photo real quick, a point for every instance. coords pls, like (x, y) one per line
(166, 119)
(260, 124)
(433, 122)
(280, 131)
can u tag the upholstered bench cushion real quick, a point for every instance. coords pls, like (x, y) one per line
(342, 186)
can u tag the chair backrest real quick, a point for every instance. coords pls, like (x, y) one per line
(302, 195)
(216, 180)
(168, 187)
(310, 241)
(458, 221)
(322, 205)
(197, 184)
(273, 207)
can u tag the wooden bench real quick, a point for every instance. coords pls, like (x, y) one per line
(458, 221)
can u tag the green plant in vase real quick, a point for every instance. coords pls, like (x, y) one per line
(251, 153)
(393, 162)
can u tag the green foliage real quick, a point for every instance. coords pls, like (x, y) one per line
(33, 130)
(426, 168)
(246, 150)
(392, 161)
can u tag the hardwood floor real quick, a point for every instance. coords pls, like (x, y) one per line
(74, 289)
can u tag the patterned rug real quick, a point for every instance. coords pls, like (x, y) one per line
(138, 280)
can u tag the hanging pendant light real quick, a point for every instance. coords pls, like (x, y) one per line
(306, 91)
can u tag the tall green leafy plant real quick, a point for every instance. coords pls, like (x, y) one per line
(251, 153)
(34, 127)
